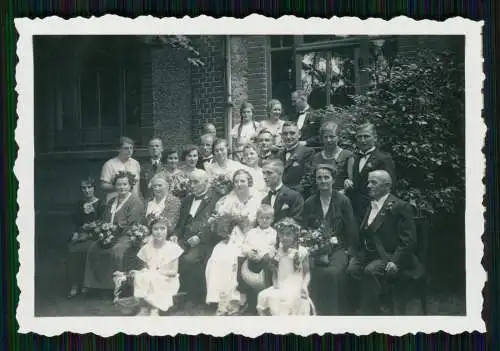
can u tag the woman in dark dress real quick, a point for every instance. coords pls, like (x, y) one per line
(125, 210)
(331, 211)
(89, 209)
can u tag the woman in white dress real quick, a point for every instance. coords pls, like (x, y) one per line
(156, 284)
(251, 160)
(274, 123)
(222, 266)
(247, 129)
(223, 165)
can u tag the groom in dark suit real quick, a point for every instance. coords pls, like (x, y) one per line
(296, 157)
(387, 240)
(285, 201)
(195, 236)
(369, 158)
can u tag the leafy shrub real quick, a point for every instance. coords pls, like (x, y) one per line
(418, 108)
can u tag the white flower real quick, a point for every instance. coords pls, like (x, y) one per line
(334, 240)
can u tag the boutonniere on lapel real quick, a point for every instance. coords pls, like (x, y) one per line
(387, 209)
(369, 165)
(285, 207)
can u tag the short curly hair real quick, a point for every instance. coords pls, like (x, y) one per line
(244, 171)
(187, 150)
(88, 180)
(132, 180)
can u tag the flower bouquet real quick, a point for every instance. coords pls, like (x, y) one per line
(138, 234)
(222, 185)
(106, 234)
(180, 185)
(86, 232)
(319, 242)
(223, 224)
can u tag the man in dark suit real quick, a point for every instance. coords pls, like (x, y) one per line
(307, 120)
(267, 150)
(206, 145)
(194, 236)
(296, 157)
(368, 158)
(285, 201)
(152, 167)
(387, 241)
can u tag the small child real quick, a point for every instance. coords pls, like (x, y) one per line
(260, 242)
(157, 283)
(289, 293)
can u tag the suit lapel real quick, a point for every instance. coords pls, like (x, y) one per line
(381, 215)
(279, 197)
(296, 154)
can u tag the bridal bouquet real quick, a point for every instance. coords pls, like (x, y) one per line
(86, 232)
(223, 224)
(138, 234)
(319, 242)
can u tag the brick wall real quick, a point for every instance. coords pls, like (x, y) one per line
(208, 86)
(171, 96)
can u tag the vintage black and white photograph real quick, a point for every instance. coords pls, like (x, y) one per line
(232, 175)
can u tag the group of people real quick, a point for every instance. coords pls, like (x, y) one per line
(227, 228)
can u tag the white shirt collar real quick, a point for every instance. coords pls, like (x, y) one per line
(368, 151)
(380, 202)
(278, 187)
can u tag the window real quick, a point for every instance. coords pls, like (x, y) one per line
(331, 68)
(88, 92)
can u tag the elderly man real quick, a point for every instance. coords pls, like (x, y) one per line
(387, 238)
(306, 119)
(150, 168)
(285, 201)
(206, 145)
(297, 157)
(194, 236)
(368, 159)
(122, 162)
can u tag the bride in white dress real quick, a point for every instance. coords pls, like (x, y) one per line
(222, 266)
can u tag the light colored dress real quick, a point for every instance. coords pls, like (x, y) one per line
(285, 300)
(259, 185)
(221, 270)
(114, 165)
(248, 132)
(152, 283)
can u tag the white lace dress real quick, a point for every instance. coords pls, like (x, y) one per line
(222, 266)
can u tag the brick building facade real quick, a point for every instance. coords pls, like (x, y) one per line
(91, 90)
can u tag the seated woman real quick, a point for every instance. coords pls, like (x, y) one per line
(289, 294)
(125, 210)
(164, 204)
(330, 212)
(158, 281)
(221, 269)
(88, 210)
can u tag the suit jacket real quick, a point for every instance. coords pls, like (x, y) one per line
(147, 173)
(310, 129)
(360, 199)
(392, 234)
(339, 218)
(289, 203)
(296, 166)
(187, 226)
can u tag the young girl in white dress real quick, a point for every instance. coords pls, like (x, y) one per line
(157, 283)
(289, 293)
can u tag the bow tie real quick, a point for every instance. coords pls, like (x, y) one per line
(364, 154)
(200, 197)
(273, 192)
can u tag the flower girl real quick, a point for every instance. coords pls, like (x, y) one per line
(157, 283)
(289, 293)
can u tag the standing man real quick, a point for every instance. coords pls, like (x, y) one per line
(195, 237)
(296, 157)
(306, 119)
(369, 158)
(267, 149)
(286, 202)
(153, 166)
(123, 162)
(209, 128)
(206, 146)
(387, 237)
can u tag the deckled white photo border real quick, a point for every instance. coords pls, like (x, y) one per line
(251, 326)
